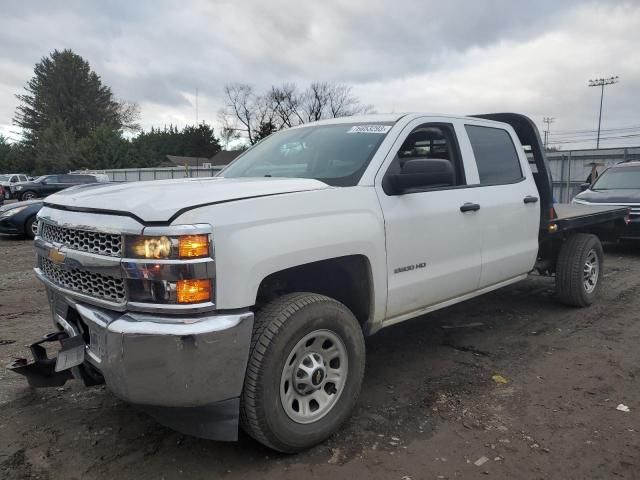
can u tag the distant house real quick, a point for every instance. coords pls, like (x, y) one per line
(224, 157)
(220, 159)
(178, 161)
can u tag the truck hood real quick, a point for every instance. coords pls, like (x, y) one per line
(163, 200)
(619, 197)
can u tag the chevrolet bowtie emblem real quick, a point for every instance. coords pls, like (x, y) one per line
(57, 257)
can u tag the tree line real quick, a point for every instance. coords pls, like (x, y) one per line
(71, 120)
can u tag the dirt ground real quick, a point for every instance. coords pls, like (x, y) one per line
(429, 406)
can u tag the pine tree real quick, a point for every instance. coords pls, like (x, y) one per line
(64, 88)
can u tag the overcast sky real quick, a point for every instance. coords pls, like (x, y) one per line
(534, 57)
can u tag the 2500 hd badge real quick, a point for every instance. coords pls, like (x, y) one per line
(408, 268)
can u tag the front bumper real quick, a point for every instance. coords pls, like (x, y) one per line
(632, 232)
(186, 371)
(8, 226)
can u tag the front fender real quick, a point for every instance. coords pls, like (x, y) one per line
(255, 238)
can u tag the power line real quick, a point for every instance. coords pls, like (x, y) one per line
(601, 82)
(583, 140)
(571, 132)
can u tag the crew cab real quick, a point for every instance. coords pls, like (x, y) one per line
(9, 180)
(245, 298)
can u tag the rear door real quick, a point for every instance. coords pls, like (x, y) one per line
(433, 248)
(510, 207)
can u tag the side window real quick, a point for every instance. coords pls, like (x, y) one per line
(13, 179)
(23, 178)
(496, 155)
(52, 179)
(435, 141)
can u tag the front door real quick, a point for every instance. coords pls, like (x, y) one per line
(433, 246)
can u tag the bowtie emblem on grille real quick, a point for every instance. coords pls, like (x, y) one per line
(57, 257)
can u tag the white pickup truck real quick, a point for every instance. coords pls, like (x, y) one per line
(245, 299)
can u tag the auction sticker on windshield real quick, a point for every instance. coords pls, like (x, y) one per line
(369, 129)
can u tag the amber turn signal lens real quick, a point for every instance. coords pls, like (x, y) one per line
(193, 246)
(193, 291)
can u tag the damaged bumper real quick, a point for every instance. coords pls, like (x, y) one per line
(186, 371)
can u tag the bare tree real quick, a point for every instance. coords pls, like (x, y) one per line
(285, 106)
(129, 114)
(241, 101)
(285, 102)
(228, 133)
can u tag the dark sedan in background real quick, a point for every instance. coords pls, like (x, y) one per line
(48, 184)
(618, 185)
(20, 218)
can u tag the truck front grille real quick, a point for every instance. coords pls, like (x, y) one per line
(93, 284)
(83, 240)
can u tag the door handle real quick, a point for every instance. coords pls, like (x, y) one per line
(530, 199)
(470, 207)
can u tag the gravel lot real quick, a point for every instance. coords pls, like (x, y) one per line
(429, 406)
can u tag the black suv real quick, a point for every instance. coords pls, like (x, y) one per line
(617, 185)
(48, 184)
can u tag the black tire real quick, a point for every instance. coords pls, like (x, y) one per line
(279, 327)
(28, 195)
(29, 226)
(571, 288)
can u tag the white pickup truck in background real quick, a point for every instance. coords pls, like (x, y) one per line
(245, 298)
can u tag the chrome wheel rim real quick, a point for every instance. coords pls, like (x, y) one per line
(313, 376)
(34, 227)
(591, 271)
(29, 196)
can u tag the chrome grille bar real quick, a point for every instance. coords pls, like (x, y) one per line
(83, 240)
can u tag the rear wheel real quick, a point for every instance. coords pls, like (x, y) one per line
(305, 371)
(579, 270)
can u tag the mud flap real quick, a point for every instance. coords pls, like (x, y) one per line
(216, 421)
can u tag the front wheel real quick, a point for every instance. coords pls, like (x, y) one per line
(305, 371)
(579, 270)
(31, 227)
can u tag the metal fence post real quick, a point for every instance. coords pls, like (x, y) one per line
(569, 179)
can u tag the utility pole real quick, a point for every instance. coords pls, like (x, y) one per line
(196, 106)
(548, 121)
(601, 82)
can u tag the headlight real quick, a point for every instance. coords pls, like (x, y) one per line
(179, 292)
(167, 247)
(12, 211)
(170, 265)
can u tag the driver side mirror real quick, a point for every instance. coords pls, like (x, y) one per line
(422, 173)
(584, 186)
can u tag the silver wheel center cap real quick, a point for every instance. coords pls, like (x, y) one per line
(317, 377)
(310, 374)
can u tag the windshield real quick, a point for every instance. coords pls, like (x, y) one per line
(40, 179)
(335, 154)
(620, 178)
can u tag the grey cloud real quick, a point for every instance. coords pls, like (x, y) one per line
(157, 53)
